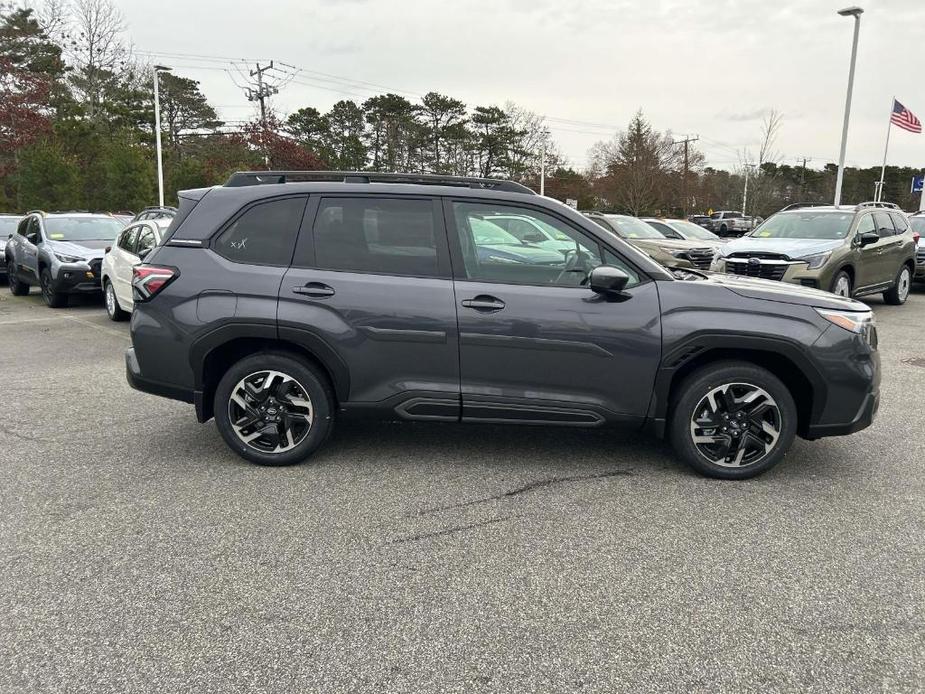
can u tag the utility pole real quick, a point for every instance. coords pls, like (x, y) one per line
(745, 192)
(686, 142)
(803, 177)
(543, 168)
(263, 91)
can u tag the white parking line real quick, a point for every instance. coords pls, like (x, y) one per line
(59, 318)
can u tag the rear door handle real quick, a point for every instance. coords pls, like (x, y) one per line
(316, 289)
(484, 302)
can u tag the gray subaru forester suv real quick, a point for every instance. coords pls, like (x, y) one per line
(282, 301)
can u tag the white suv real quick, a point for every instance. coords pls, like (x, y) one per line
(130, 248)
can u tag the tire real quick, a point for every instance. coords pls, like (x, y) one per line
(840, 283)
(899, 292)
(310, 423)
(17, 286)
(740, 380)
(113, 310)
(52, 298)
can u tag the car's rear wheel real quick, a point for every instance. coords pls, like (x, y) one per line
(17, 286)
(899, 292)
(841, 284)
(52, 298)
(732, 420)
(274, 409)
(113, 310)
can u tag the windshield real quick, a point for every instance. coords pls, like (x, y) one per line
(633, 228)
(692, 231)
(488, 234)
(918, 224)
(806, 224)
(82, 228)
(8, 226)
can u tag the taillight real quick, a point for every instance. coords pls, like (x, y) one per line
(148, 280)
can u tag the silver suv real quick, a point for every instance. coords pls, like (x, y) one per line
(61, 252)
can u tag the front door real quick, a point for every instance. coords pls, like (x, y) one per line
(536, 345)
(370, 291)
(28, 253)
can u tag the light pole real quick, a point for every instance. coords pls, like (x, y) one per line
(855, 12)
(157, 135)
(748, 167)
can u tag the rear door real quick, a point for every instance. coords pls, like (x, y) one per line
(899, 251)
(868, 270)
(370, 288)
(886, 247)
(536, 345)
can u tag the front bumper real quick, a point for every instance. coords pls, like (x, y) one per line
(920, 265)
(793, 272)
(78, 278)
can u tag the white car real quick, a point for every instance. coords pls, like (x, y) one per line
(130, 248)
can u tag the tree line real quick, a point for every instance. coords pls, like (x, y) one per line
(76, 132)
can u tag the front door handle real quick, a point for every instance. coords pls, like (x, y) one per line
(484, 302)
(315, 289)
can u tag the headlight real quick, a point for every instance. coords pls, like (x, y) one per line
(814, 262)
(860, 322)
(676, 254)
(70, 258)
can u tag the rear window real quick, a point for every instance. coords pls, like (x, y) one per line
(381, 235)
(264, 234)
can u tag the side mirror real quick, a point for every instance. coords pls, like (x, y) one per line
(107, 249)
(533, 238)
(607, 279)
(143, 253)
(869, 237)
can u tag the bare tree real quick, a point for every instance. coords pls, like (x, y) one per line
(54, 17)
(96, 49)
(763, 173)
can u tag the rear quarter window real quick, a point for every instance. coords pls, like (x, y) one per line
(264, 233)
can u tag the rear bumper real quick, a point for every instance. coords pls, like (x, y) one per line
(145, 385)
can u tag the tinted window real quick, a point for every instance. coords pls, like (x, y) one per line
(492, 254)
(899, 221)
(665, 230)
(127, 239)
(23, 227)
(264, 234)
(382, 235)
(884, 224)
(146, 241)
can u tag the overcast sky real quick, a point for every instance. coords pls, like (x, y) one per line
(701, 67)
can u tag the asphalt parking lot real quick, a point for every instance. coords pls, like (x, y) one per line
(138, 554)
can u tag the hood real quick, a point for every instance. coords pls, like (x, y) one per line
(88, 249)
(531, 253)
(792, 248)
(670, 244)
(784, 292)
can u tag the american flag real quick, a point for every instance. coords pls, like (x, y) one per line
(904, 118)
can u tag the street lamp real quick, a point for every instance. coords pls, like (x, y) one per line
(855, 12)
(157, 135)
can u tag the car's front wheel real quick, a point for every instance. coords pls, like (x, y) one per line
(52, 298)
(732, 420)
(899, 292)
(841, 284)
(113, 310)
(17, 286)
(274, 409)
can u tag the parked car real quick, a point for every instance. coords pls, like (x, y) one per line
(672, 253)
(730, 223)
(917, 221)
(155, 212)
(850, 251)
(533, 232)
(496, 245)
(61, 252)
(279, 307)
(684, 230)
(130, 248)
(701, 220)
(8, 224)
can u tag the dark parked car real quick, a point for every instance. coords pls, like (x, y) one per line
(701, 220)
(277, 306)
(61, 252)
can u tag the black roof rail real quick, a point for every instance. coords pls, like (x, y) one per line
(886, 205)
(254, 178)
(798, 205)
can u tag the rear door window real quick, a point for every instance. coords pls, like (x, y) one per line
(899, 221)
(391, 236)
(264, 234)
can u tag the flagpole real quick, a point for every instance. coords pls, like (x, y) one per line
(889, 124)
